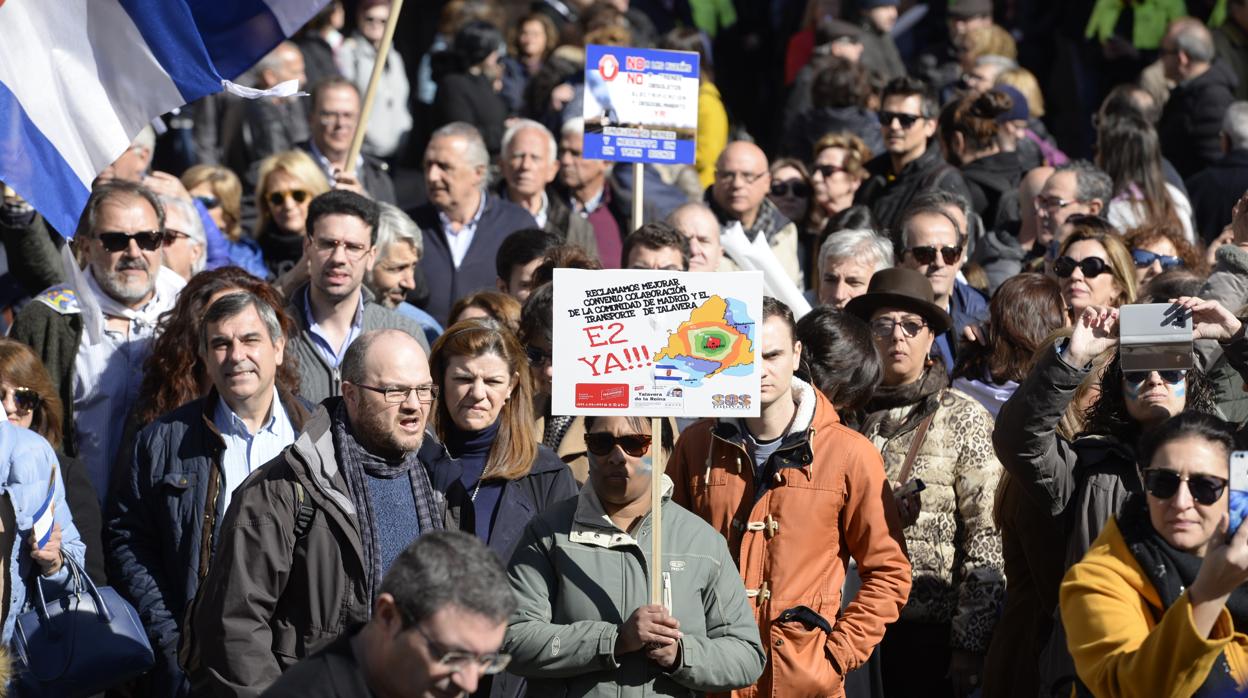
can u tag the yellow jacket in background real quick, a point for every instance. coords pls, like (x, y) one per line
(1111, 610)
(712, 131)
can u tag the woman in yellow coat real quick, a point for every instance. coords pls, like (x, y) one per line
(1157, 607)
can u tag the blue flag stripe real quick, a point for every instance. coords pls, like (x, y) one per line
(27, 156)
(237, 33)
(169, 31)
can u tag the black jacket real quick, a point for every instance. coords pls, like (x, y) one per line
(888, 193)
(471, 99)
(993, 184)
(1214, 190)
(374, 175)
(334, 672)
(447, 283)
(1192, 119)
(814, 123)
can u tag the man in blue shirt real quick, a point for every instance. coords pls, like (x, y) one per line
(173, 490)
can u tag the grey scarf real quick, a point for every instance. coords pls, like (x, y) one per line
(357, 464)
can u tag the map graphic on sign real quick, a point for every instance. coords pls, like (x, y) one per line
(717, 338)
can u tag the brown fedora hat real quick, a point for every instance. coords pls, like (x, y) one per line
(903, 289)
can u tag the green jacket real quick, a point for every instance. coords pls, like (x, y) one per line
(578, 577)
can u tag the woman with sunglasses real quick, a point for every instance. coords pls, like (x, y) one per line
(1159, 248)
(929, 432)
(1159, 605)
(288, 182)
(220, 192)
(585, 625)
(791, 193)
(31, 403)
(1093, 268)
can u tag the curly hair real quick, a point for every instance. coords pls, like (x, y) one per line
(1151, 232)
(856, 152)
(174, 374)
(1108, 416)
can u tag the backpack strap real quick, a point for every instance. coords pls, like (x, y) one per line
(306, 513)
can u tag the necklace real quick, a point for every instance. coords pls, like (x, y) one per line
(475, 490)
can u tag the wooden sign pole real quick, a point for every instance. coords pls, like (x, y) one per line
(366, 107)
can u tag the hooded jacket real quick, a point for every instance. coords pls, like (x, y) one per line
(825, 501)
(577, 577)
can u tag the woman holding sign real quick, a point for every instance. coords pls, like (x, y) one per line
(585, 625)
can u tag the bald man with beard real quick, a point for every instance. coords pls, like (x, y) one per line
(739, 194)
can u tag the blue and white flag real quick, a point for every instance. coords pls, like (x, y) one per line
(80, 78)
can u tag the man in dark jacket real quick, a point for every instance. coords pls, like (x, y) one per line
(447, 589)
(162, 519)
(332, 122)
(463, 224)
(912, 162)
(308, 537)
(1215, 189)
(1192, 118)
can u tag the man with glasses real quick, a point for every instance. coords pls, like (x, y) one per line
(739, 195)
(912, 162)
(176, 484)
(94, 331)
(332, 122)
(436, 628)
(1076, 187)
(334, 307)
(303, 548)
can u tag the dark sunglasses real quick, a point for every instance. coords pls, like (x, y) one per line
(537, 357)
(600, 443)
(1162, 484)
(797, 187)
(209, 202)
(277, 197)
(927, 254)
(1090, 266)
(906, 120)
(826, 170)
(1173, 376)
(146, 240)
(884, 327)
(1144, 258)
(26, 400)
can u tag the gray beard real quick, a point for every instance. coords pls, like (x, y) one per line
(111, 283)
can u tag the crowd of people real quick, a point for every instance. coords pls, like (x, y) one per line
(297, 410)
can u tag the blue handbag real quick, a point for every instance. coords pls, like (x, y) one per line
(80, 644)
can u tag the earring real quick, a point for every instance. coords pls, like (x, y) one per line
(929, 362)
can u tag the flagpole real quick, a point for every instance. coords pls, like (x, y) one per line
(366, 107)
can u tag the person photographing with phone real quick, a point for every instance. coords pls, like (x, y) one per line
(1158, 606)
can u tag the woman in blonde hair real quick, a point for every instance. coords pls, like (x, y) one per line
(220, 192)
(288, 181)
(484, 416)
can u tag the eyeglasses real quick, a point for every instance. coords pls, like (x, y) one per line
(1135, 378)
(1051, 203)
(883, 327)
(826, 171)
(146, 240)
(927, 254)
(25, 399)
(209, 202)
(1144, 258)
(600, 443)
(354, 250)
(797, 187)
(277, 198)
(747, 177)
(906, 120)
(1090, 266)
(538, 357)
(172, 236)
(398, 394)
(459, 660)
(1163, 484)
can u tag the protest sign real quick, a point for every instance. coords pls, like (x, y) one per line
(641, 105)
(657, 343)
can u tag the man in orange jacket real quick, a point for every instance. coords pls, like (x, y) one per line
(797, 494)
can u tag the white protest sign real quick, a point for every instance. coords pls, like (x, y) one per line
(657, 343)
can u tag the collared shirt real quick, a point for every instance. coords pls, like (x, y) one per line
(331, 354)
(543, 212)
(244, 451)
(328, 167)
(459, 241)
(589, 206)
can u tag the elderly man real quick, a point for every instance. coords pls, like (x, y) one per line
(934, 244)
(1005, 252)
(1076, 187)
(700, 227)
(448, 590)
(273, 124)
(393, 276)
(463, 224)
(307, 539)
(177, 483)
(529, 164)
(332, 122)
(739, 195)
(94, 332)
(1191, 121)
(656, 246)
(847, 260)
(1215, 189)
(334, 307)
(186, 248)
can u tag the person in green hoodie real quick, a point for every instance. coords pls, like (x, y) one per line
(581, 575)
